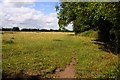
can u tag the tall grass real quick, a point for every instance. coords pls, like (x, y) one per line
(40, 52)
(37, 53)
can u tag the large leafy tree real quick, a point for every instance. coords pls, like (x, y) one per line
(84, 16)
(73, 13)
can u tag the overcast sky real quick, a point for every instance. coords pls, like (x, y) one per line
(29, 14)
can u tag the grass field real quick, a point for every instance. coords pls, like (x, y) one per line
(40, 53)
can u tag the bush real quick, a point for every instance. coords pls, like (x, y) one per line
(90, 33)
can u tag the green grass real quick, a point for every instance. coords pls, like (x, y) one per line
(90, 33)
(93, 62)
(37, 53)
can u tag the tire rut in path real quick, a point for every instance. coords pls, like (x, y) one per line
(69, 71)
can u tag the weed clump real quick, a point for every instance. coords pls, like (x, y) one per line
(10, 41)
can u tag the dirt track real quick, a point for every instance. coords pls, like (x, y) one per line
(68, 72)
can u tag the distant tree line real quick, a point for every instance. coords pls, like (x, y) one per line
(11, 29)
(40, 30)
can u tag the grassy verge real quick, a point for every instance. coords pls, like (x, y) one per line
(93, 62)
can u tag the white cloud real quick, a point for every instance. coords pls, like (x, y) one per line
(17, 3)
(12, 15)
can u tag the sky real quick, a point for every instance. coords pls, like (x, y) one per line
(29, 14)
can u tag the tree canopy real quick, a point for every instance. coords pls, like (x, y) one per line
(103, 16)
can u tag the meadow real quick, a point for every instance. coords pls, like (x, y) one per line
(40, 53)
